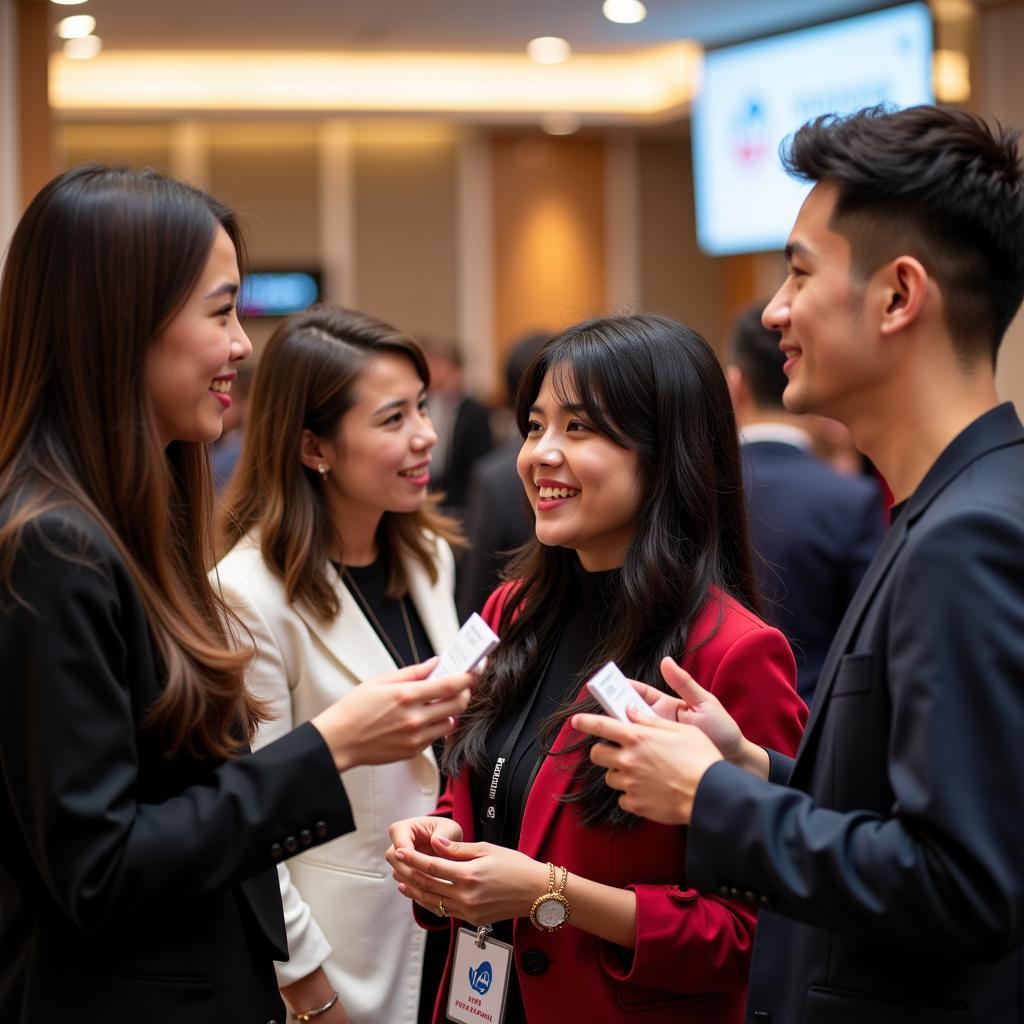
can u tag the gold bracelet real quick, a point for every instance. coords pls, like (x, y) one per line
(311, 1014)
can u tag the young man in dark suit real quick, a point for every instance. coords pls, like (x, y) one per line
(814, 530)
(888, 857)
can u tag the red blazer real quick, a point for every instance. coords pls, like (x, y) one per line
(692, 949)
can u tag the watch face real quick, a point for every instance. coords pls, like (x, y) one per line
(551, 913)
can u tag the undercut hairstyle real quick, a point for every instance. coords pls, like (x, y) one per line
(99, 265)
(307, 379)
(934, 183)
(755, 350)
(655, 387)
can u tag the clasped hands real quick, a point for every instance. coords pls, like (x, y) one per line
(476, 882)
(658, 762)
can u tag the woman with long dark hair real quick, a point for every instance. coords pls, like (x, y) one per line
(630, 461)
(139, 837)
(340, 565)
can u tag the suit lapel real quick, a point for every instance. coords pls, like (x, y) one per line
(997, 428)
(436, 610)
(863, 596)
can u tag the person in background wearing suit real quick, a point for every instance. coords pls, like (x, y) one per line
(813, 530)
(631, 464)
(463, 425)
(498, 516)
(138, 836)
(889, 854)
(340, 567)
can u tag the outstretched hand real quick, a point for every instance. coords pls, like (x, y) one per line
(476, 882)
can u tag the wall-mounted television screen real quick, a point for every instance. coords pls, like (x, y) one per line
(278, 292)
(756, 94)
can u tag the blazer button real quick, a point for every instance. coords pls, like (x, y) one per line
(291, 844)
(535, 962)
(750, 896)
(320, 830)
(305, 837)
(276, 851)
(761, 1015)
(723, 890)
(764, 901)
(734, 892)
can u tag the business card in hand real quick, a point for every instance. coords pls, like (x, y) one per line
(614, 692)
(472, 644)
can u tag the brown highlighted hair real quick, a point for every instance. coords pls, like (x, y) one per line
(307, 380)
(98, 266)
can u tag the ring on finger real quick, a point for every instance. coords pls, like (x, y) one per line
(442, 910)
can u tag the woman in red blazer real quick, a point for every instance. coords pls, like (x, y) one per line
(631, 464)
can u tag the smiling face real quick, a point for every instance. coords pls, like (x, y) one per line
(379, 457)
(832, 360)
(584, 488)
(190, 364)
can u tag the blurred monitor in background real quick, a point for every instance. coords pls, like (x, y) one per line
(755, 94)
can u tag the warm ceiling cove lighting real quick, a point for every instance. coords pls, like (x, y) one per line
(613, 87)
(82, 47)
(548, 50)
(76, 27)
(624, 12)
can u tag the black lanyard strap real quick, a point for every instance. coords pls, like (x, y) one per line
(499, 786)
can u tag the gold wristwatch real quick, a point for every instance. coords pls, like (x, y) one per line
(551, 910)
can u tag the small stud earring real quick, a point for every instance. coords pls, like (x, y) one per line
(323, 469)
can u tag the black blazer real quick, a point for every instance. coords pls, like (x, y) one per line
(133, 887)
(815, 531)
(892, 862)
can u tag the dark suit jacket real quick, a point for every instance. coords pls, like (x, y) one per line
(892, 864)
(471, 438)
(815, 531)
(133, 886)
(498, 518)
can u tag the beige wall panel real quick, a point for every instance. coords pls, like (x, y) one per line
(549, 234)
(270, 174)
(999, 84)
(405, 244)
(676, 278)
(135, 145)
(35, 141)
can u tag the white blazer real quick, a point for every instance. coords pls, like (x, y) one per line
(341, 905)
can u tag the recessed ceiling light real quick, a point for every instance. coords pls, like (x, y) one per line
(68, 3)
(82, 47)
(548, 50)
(77, 26)
(624, 12)
(560, 123)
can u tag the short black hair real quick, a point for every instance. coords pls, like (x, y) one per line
(755, 350)
(935, 183)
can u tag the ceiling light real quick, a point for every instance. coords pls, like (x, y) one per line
(77, 26)
(82, 47)
(951, 76)
(624, 12)
(560, 123)
(68, 3)
(548, 50)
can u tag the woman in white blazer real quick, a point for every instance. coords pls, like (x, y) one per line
(339, 566)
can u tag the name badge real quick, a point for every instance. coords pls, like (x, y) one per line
(479, 982)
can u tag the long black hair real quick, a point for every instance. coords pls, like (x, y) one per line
(655, 387)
